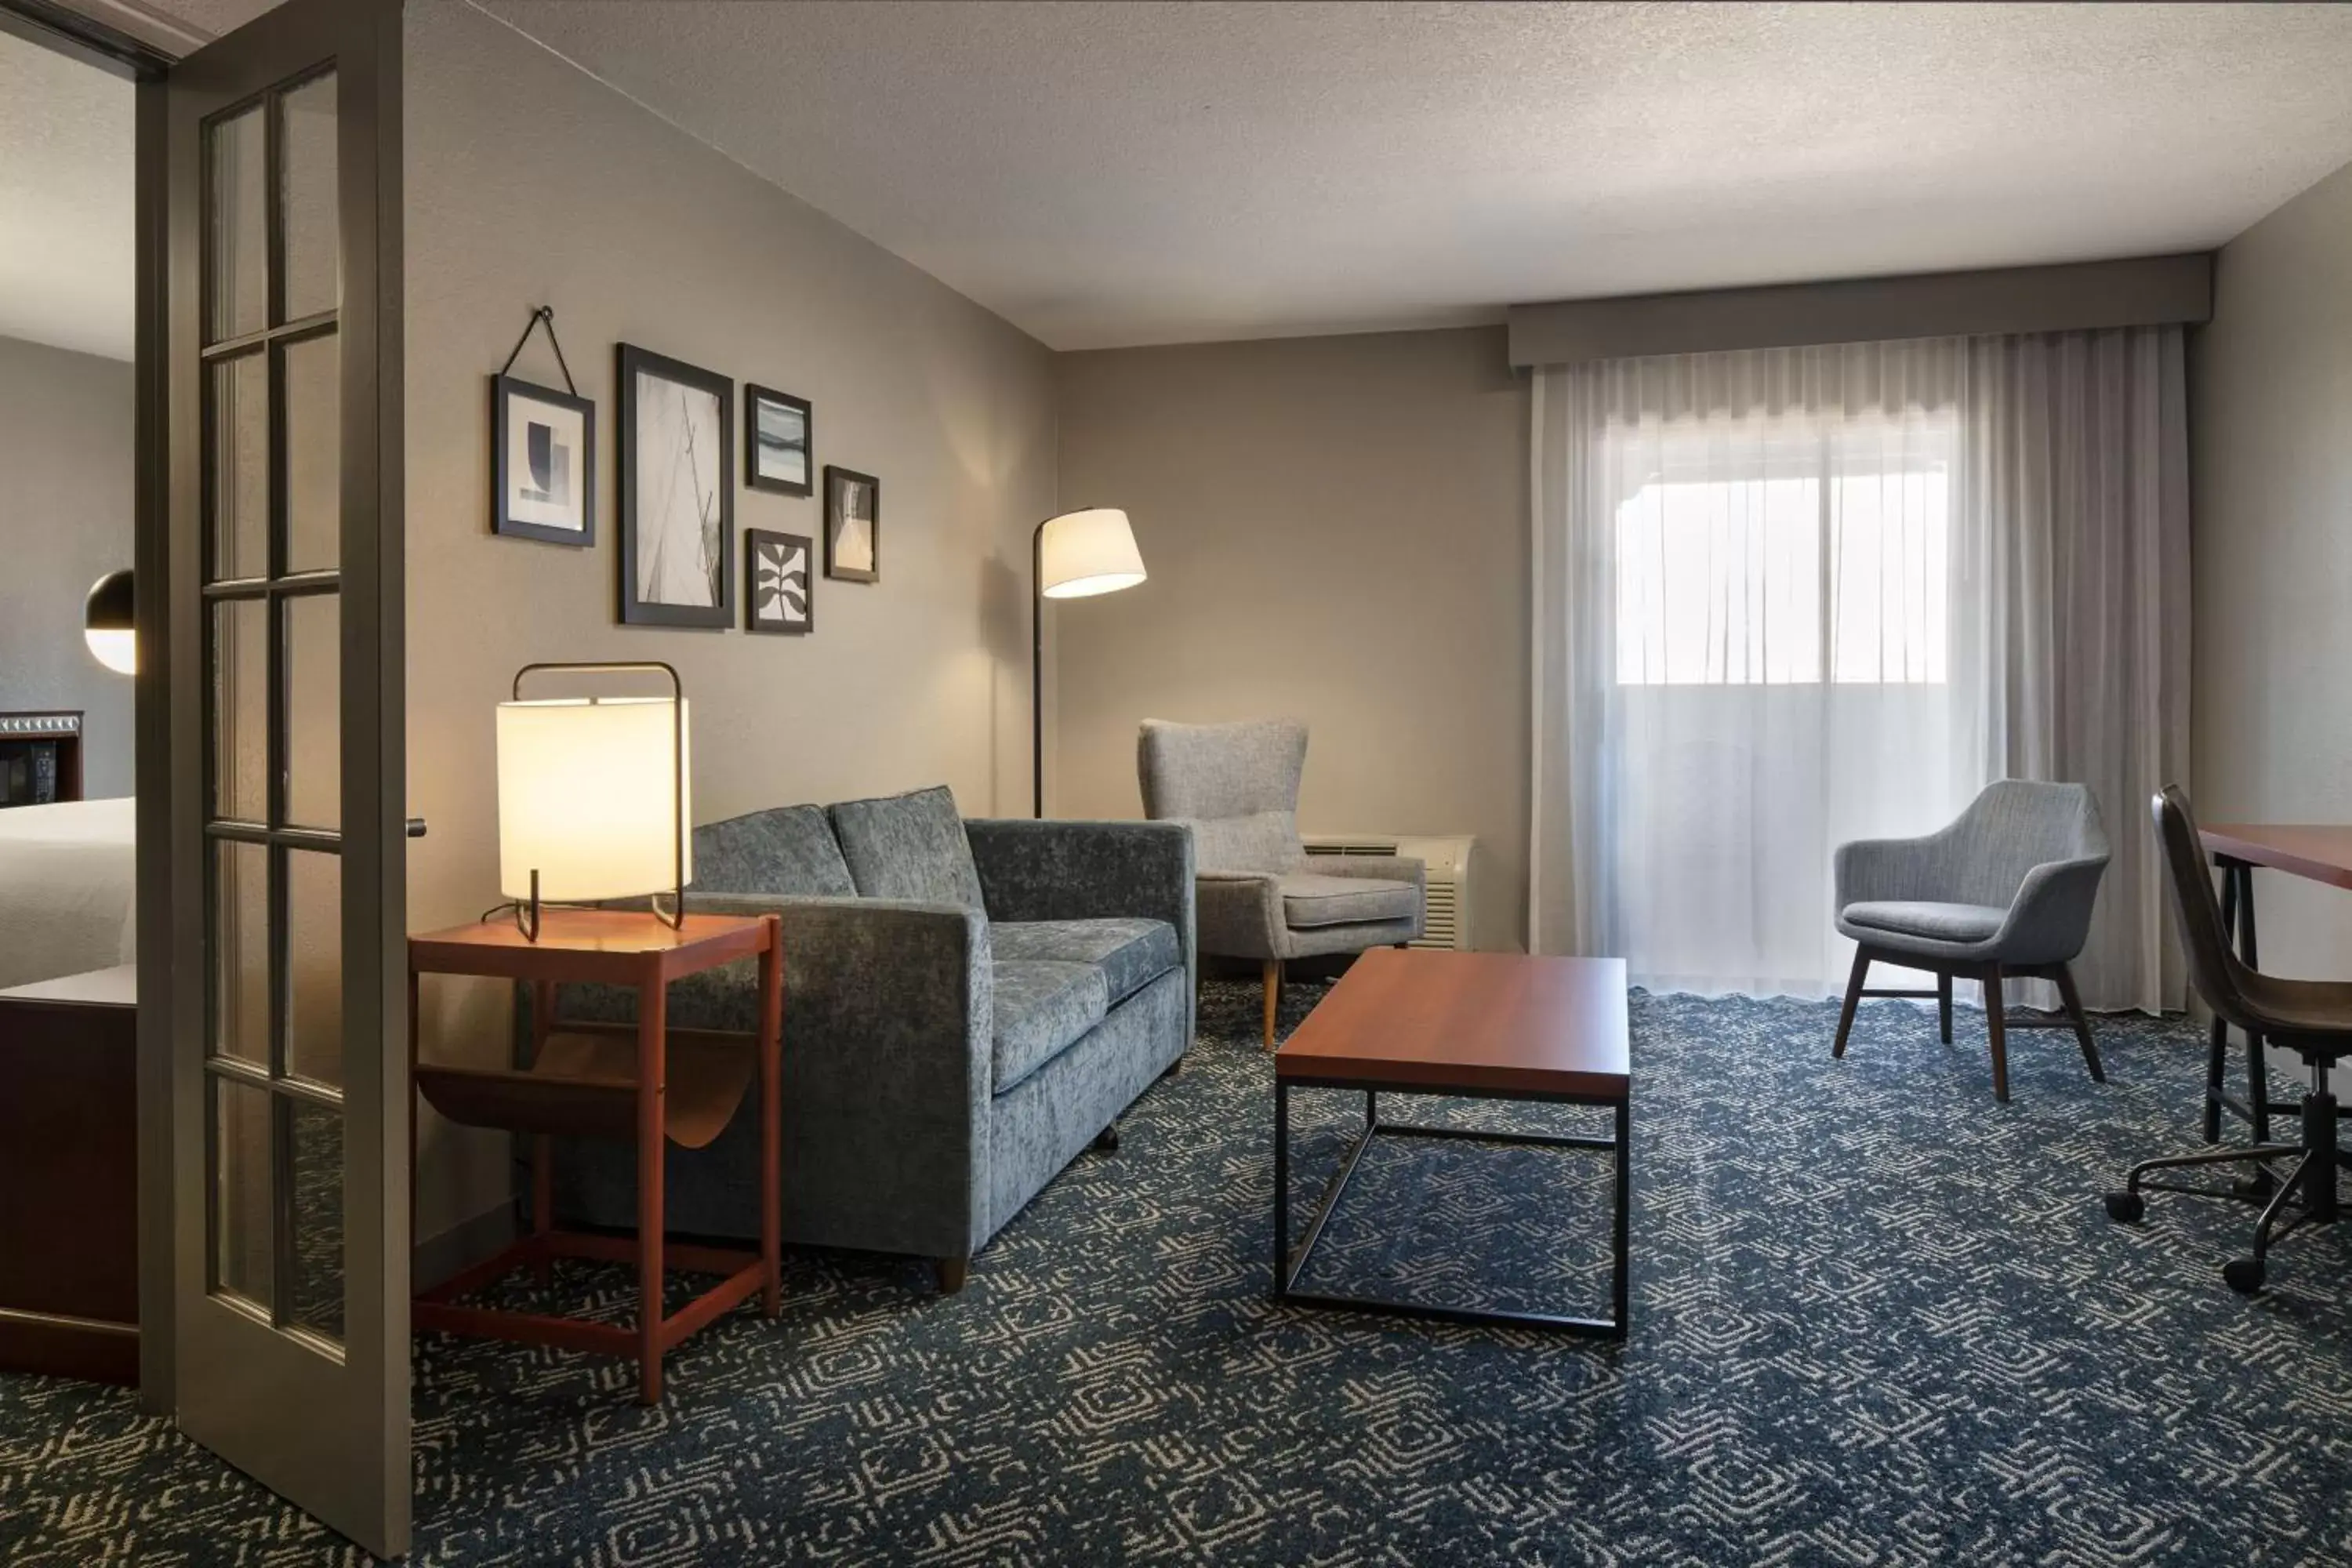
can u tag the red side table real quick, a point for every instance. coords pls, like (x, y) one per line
(644, 1082)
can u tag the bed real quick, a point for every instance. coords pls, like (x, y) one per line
(67, 878)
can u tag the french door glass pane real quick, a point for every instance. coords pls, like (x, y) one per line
(236, 395)
(314, 457)
(314, 696)
(314, 957)
(243, 1237)
(315, 1296)
(240, 658)
(307, 198)
(240, 988)
(235, 215)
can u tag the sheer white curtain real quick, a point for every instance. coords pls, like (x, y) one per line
(1784, 599)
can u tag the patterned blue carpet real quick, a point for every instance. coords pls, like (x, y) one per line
(1878, 1319)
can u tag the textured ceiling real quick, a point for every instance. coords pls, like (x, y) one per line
(1139, 173)
(1110, 173)
(66, 195)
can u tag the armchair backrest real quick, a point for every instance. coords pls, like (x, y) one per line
(2014, 826)
(1237, 785)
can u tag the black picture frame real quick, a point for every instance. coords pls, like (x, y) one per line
(837, 489)
(753, 397)
(516, 512)
(641, 370)
(762, 549)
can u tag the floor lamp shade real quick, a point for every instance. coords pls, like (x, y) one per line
(1080, 553)
(106, 623)
(594, 795)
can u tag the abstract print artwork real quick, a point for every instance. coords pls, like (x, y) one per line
(779, 596)
(778, 432)
(544, 446)
(677, 493)
(853, 525)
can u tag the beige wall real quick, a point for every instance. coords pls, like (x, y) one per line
(2270, 421)
(530, 183)
(65, 463)
(1336, 528)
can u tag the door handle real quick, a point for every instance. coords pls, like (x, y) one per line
(417, 827)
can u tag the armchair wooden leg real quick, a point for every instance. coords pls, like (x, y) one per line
(1996, 1022)
(1944, 1004)
(1273, 974)
(2074, 1001)
(1852, 999)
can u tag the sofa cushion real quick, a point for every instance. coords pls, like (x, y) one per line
(1131, 953)
(1963, 923)
(1042, 1009)
(785, 849)
(1310, 899)
(909, 847)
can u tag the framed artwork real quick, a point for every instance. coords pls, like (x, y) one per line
(853, 525)
(542, 463)
(779, 432)
(777, 595)
(677, 493)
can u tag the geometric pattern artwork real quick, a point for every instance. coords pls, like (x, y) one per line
(1877, 1318)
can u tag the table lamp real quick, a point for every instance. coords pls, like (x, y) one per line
(1075, 555)
(593, 797)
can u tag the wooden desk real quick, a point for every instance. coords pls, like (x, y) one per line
(1489, 1025)
(585, 1088)
(2317, 853)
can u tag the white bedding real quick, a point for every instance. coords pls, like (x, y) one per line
(68, 873)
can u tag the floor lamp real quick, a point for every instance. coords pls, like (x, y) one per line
(1073, 556)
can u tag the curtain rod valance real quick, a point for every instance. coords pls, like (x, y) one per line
(2141, 291)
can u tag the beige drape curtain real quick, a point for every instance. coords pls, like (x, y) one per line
(1695, 765)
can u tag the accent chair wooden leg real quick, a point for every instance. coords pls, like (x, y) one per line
(952, 1271)
(1944, 1004)
(2074, 1001)
(1997, 1023)
(1852, 999)
(1272, 996)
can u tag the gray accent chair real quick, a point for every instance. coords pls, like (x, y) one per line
(2006, 892)
(967, 1007)
(1236, 787)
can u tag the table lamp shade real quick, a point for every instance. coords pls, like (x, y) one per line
(1081, 554)
(589, 797)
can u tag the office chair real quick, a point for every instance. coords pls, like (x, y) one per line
(2312, 1018)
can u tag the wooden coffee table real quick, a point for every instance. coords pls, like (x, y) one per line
(1485, 1025)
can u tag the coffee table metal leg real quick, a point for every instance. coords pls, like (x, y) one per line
(1281, 1188)
(1620, 1286)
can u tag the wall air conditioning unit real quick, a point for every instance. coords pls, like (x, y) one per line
(1445, 918)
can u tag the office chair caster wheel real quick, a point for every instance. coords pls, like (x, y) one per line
(1108, 1139)
(2243, 1275)
(2126, 1208)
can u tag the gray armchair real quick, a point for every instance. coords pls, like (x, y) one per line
(1236, 786)
(2005, 892)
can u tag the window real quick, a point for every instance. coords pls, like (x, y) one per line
(1762, 554)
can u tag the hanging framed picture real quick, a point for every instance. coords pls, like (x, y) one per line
(678, 492)
(542, 463)
(779, 434)
(778, 595)
(853, 525)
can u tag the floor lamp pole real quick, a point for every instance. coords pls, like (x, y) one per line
(1038, 667)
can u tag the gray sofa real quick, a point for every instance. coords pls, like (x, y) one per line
(967, 1007)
